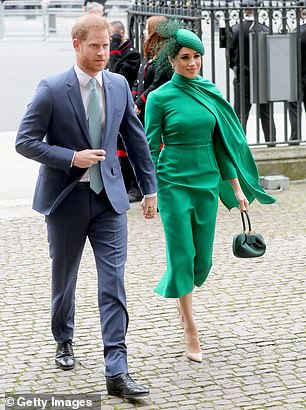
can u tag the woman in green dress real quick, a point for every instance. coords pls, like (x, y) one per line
(204, 155)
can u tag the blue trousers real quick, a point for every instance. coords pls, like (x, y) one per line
(82, 215)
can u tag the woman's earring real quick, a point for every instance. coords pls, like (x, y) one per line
(171, 62)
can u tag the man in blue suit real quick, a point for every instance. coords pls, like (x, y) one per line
(55, 131)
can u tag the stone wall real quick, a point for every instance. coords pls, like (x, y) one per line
(287, 161)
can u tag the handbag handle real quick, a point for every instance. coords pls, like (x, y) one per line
(243, 221)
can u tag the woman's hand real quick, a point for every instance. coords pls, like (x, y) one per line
(149, 207)
(243, 202)
(241, 198)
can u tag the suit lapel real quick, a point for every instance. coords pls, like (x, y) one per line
(74, 95)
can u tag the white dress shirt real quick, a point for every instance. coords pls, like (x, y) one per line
(84, 81)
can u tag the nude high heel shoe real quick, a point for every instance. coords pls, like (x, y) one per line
(194, 356)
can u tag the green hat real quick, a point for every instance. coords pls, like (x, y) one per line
(187, 38)
(175, 36)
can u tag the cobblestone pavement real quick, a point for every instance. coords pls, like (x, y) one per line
(250, 314)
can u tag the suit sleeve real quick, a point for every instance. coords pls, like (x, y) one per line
(33, 129)
(153, 126)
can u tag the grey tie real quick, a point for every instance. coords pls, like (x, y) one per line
(95, 131)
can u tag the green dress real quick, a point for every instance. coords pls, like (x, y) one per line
(190, 167)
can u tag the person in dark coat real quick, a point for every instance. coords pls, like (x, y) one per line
(124, 59)
(293, 115)
(248, 26)
(149, 78)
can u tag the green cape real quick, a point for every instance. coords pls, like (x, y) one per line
(233, 137)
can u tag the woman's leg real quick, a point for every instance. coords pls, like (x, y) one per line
(193, 348)
(180, 313)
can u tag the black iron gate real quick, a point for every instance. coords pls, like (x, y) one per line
(214, 22)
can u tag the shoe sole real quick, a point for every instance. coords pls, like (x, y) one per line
(64, 368)
(128, 396)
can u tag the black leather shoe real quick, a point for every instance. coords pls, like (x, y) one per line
(64, 357)
(124, 386)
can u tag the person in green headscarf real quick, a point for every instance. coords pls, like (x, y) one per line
(204, 156)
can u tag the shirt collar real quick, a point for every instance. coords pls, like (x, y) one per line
(84, 78)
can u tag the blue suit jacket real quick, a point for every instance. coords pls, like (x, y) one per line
(54, 126)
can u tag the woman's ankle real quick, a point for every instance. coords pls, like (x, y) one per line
(191, 329)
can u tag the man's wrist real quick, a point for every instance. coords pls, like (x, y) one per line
(72, 161)
(150, 195)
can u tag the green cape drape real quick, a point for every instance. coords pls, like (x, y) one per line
(233, 138)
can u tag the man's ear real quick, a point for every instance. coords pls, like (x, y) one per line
(76, 44)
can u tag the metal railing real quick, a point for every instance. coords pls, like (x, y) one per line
(213, 21)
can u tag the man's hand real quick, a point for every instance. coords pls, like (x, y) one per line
(137, 110)
(149, 207)
(88, 157)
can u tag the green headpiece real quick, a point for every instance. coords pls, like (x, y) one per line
(187, 38)
(175, 36)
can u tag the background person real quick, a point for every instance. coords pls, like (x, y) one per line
(93, 7)
(247, 26)
(125, 60)
(149, 78)
(71, 128)
(102, 2)
(205, 154)
(293, 114)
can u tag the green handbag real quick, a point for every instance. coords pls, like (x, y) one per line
(248, 244)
